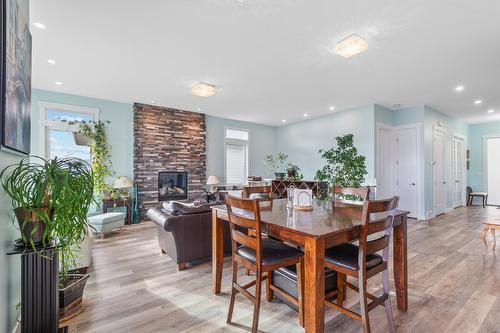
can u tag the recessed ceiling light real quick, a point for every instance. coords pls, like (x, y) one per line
(478, 101)
(58, 83)
(153, 101)
(39, 25)
(306, 115)
(199, 109)
(203, 89)
(491, 111)
(51, 61)
(331, 108)
(283, 120)
(351, 46)
(459, 88)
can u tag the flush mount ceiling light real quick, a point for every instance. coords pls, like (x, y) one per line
(203, 89)
(351, 46)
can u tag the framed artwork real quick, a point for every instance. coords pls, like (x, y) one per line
(15, 132)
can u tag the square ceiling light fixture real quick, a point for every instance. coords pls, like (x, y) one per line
(203, 89)
(351, 46)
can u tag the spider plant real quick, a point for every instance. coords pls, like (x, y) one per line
(53, 196)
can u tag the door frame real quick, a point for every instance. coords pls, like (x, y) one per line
(485, 158)
(445, 135)
(464, 168)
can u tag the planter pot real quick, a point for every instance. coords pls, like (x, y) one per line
(291, 173)
(31, 227)
(279, 175)
(70, 297)
(81, 139)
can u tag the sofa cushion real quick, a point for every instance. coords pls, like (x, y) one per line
(182, 209)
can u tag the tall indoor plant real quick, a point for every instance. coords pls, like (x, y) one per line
(276, 164)
(53, 196)
(344, 167)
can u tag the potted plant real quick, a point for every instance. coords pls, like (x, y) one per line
(293, 172)
(344, 167)
(56, 195)
(28, 186)
(276, 164)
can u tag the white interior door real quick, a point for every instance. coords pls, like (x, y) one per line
(407, 170)
(439, 173)
(458, 171)
(385, 163)
(493, 157)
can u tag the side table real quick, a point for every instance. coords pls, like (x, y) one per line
(123, 202)
(492, 226)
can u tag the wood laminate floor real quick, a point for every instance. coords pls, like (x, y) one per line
(453, 287)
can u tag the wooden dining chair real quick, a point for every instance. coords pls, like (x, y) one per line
(362, 262)
(262, 193)
(260, 255)
(340, 193)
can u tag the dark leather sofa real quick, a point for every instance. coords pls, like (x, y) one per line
(187, 237)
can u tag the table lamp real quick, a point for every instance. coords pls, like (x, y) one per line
(123, 182)
(212, 181)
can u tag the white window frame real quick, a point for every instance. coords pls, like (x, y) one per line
(237, 142)
(46, 125)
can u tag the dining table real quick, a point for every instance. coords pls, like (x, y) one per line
(325, 226)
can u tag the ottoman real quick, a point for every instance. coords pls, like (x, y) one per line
(286, 278)
(104, 223)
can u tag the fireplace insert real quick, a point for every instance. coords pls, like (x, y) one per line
(172, 185)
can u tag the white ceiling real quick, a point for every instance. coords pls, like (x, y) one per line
(270, 58)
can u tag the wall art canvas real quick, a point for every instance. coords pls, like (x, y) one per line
(16, 77)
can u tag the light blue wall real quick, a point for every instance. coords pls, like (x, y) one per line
(301, 141)
(119, 132)
(383, 115)
(262, 143)
(476, 145)
(10, 275)
(409, 115)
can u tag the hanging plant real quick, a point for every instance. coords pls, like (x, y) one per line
(100, 153)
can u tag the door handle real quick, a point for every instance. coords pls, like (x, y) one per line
(444, 183)
(412, 184)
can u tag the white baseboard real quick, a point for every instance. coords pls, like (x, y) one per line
(430, 215)
(449, 210)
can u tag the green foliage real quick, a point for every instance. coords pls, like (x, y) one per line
(293, 168)
(63, 187)
(100, 153)
(276, 163)
(344, 167)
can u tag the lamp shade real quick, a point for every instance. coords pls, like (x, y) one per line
(123, 182)
(213, 180)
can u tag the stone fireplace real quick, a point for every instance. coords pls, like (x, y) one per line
(168, 141)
